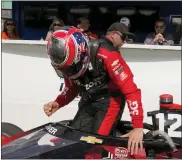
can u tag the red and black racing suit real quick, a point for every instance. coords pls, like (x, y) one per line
(103, 96)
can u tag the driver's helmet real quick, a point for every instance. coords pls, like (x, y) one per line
(69, 52)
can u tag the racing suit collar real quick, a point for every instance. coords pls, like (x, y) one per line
(110, 42)
(107, 40)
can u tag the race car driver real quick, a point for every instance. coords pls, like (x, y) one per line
(104, 86)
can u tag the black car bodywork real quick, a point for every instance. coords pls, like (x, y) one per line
(59, 141)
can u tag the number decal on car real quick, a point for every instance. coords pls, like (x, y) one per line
(172, 127)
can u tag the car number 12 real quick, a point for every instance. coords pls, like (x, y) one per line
(172, 129)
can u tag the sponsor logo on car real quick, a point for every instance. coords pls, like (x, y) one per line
(119, 153)
(51, 129)
(91, 139)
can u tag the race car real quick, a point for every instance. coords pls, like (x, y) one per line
(162, 139)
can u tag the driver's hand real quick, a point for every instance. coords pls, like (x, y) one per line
(51, 108)
(135, 139)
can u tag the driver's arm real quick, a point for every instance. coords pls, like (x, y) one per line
(122, 76)
(69, 92)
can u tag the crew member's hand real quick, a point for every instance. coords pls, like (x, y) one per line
(51, 108)
(135, 139)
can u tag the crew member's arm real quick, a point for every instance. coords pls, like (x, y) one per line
(69, 92)
(122, 76)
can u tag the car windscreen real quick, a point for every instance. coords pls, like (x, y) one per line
(35, 143)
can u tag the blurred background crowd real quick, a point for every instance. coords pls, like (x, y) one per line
(156, 23)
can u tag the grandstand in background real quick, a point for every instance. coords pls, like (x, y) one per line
(6, 11)
(33, 18)
(6, 7)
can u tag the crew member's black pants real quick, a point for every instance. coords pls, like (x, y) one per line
(99, 117)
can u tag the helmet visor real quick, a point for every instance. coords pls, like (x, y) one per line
(57, 51)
